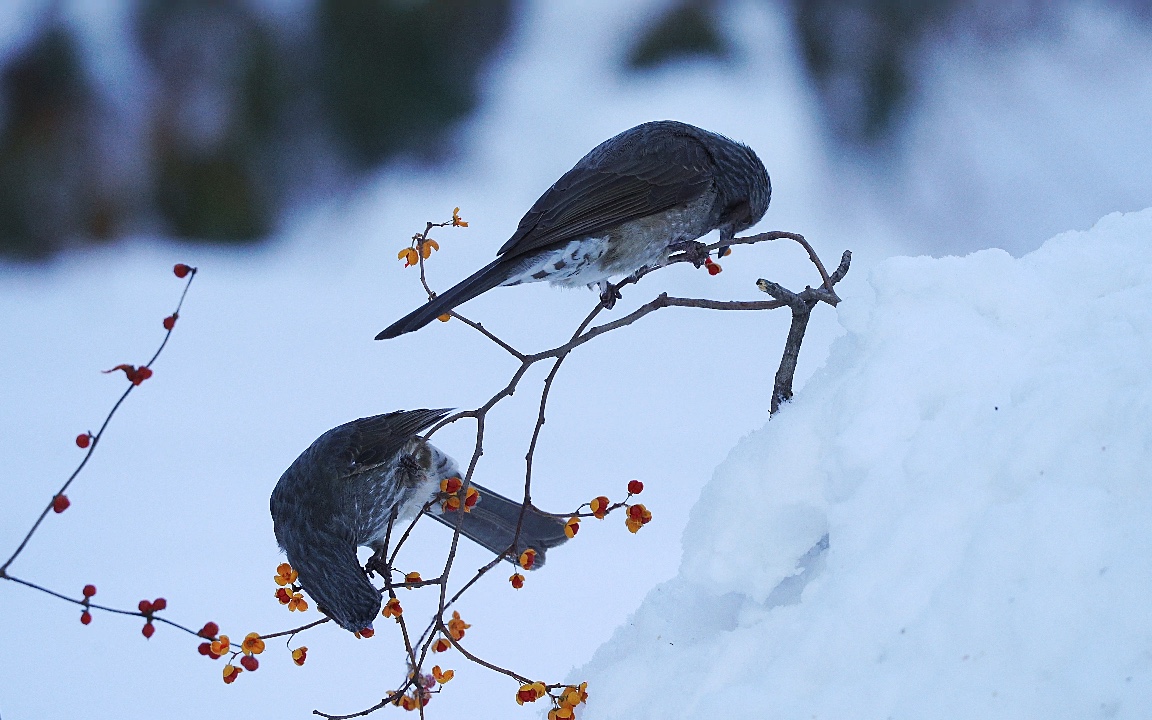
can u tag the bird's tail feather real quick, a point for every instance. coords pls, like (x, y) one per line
(479, 282)
(492, 524)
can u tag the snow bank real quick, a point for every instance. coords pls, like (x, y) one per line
(951, 520)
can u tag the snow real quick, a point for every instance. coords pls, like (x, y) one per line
(273, 347)
(974, 456)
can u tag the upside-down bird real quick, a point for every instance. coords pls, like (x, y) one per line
(628, 204)
(342, 492)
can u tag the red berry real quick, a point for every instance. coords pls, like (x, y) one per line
(181, 270)
(170, 321)
(144, 606)
(60, 503)
(210, 630)
(83, 440)
(148, 629)
(159, 604)
(204, 648)
(713, 268)
(635, 487)
(250, 663)
(367, 632)
(89, 590)
(85, 617)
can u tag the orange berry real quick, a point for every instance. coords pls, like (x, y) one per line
(253, 644)
(231, 672)
(517, 580)
(220, 646)
(457, 626)
(599, 506)
(530, 693)
(637, 516)
(392, 608)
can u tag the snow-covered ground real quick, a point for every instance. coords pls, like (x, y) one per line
(274, 347)
(950, 521)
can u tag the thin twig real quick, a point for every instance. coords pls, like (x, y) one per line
(95, 439)
(105, 608)
(488, 334)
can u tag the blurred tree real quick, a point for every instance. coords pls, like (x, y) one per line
(687, 29)
(861, 54)
(47, 197)
(394, 73)
(858, 52)
(247, 112)
(864, 57)
(221, 92)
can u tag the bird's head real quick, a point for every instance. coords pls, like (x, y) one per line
(743, 186)
(759, 189)
(349, 599)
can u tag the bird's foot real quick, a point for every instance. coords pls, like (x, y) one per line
(694, 251)
(378, 563)
(609, 294)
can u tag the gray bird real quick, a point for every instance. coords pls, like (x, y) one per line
(340, 493)
(629, 203)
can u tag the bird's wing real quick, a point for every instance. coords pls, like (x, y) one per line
(603, 191)
(371, 441)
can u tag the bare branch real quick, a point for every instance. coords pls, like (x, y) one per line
(95, 438)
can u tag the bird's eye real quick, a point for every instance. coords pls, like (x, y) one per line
(738, 213)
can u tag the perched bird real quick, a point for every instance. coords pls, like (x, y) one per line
(341, 492)
(629, 203)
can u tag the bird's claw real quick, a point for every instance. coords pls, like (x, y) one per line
(609, 294)
(694, 251)
(378, 563)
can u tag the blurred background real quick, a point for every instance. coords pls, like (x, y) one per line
(208, 120)
(289, 149)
